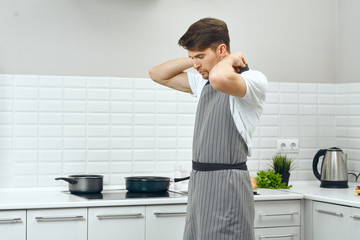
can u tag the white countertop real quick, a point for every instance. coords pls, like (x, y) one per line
(35, 198)
(311, 190)
(272, 194)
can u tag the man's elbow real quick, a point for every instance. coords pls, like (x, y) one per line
(216, 80)
(152, 73)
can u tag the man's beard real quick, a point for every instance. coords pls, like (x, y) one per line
(205, 74)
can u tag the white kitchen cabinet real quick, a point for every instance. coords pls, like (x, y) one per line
(165, 222)
(57, 224)
(277, 213)
(283, 233)
(115, 223)
(329, 221)
(354, 219)
(277, 220)
(334, 222)
(13, 225)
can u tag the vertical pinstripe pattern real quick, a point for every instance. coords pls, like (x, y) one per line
(220, 203)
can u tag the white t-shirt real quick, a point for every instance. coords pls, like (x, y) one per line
(247, 110)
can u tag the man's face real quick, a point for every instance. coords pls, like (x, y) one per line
(204, 61)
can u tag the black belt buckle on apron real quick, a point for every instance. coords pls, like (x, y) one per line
(198, 166)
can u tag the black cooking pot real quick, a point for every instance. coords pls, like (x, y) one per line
(150, 183)
(84, 183)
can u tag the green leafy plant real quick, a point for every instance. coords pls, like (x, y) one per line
(270, 179)
(282, 164)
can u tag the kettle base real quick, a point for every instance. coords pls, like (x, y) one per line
(334, 184)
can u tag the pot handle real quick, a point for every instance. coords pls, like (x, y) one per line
(181, 179)
(69, 180)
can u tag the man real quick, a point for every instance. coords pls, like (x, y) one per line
(231, 100)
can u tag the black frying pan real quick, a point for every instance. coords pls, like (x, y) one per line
(150, 183)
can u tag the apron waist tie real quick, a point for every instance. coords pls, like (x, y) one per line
(198, 166)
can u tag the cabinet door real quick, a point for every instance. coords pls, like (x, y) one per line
(277, 213)
(165, 222)
(116, 223)
(354, 220)
(329, 221)
(57, 224)
(13, 225)
(283, 233)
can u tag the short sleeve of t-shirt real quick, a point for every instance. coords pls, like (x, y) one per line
(248, 109)
(256, 88)
(196, 83)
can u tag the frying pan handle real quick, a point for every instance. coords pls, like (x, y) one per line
(69, 180)
(181, 179)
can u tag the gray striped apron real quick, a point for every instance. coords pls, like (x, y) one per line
(220, 202)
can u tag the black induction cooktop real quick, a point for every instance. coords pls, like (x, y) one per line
(124, 194)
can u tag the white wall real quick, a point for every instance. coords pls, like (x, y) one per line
(290, 41)
(54, 126)
(348, 39)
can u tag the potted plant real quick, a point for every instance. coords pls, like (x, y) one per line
(282, 165)
(270, 179)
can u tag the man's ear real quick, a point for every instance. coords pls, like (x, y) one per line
(222, 51)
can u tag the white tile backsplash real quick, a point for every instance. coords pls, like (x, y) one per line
(53, 126)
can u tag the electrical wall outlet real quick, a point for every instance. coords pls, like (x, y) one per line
(287, 145)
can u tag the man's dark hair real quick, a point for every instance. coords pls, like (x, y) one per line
(206, 33)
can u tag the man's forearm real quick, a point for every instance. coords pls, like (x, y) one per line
(170, 69)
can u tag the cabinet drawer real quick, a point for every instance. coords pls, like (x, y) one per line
(57, 224)
(116, 223)
(277, 213)
(284, 233)
(354, 218)
(13, 225)
(165, 222)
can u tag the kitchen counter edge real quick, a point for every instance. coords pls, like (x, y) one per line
(45, 198)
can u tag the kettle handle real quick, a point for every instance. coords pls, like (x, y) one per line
(320, 153)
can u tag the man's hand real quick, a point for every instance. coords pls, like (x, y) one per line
(238, 61)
